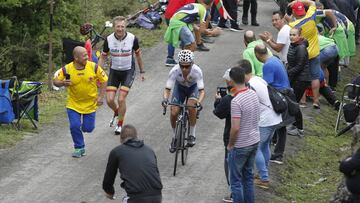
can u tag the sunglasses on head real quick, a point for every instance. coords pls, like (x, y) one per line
(185, 66)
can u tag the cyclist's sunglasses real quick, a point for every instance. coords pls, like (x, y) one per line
(185, 66)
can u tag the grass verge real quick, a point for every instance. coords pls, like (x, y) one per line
(311, 174)
(51, 105)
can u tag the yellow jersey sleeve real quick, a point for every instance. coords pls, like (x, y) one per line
(101, 75)
(59, 74)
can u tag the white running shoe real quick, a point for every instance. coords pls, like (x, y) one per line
(117, 130)
(112, 121)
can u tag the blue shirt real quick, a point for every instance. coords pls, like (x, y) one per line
(274, 74)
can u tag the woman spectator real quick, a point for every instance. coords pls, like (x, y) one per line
(299, 72)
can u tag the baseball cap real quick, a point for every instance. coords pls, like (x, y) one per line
(298, 8)
(226, 75)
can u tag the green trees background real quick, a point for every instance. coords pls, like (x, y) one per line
(25, 24)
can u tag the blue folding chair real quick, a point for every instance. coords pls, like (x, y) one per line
(25, 102)
(6, 109)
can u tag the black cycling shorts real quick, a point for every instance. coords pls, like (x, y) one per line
(118, 78)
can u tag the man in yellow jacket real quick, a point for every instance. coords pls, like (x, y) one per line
(80, 78)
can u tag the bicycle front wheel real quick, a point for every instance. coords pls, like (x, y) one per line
(178, 132)
(185, 136)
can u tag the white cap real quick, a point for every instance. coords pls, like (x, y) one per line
(226, 75)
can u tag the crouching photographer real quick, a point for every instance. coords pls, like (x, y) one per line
(222, 109)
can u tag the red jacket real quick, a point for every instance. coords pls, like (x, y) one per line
(174, 5)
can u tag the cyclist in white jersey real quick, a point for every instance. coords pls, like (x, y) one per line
(186, 79)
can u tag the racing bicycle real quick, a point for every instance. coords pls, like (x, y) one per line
(182, 132)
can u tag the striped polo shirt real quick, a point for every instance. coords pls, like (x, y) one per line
(245, 106)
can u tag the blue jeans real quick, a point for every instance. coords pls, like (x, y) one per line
(315, 67)
(76, 127)
(328, 54)
(186, 37)
(171, 48)
(263, 153)
(241, 164)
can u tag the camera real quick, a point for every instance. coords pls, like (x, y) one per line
(67, 76)
(222, 91)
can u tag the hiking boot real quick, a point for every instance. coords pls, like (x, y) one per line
(77, 153)
(207, 39)
(172, 147)
(262, 183)
(276, 160)
(227, 199)
(235, 28)
(202, 47)
(117, 130)
(191, 141)
(296, 132)
(170, 62)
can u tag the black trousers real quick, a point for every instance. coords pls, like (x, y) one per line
(333, 68)
(253, 10)
(280, 134)
(145, 199)
(326, 92)
(231, 8)
(299, 88)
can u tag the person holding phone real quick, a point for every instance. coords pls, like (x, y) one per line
(80, 79)
(222, 110)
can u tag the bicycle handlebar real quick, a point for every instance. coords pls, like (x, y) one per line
(199, 108)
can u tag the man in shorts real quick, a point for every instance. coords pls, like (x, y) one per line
(186, 79)
(121, 45)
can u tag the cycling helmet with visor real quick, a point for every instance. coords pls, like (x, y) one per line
(185, 57)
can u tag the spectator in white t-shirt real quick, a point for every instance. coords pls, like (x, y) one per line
(269, 120)
(282, 42)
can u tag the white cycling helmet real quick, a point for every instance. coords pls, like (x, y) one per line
(185, 56)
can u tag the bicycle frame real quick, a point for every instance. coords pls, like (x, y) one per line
(181, 132)
(98, 36)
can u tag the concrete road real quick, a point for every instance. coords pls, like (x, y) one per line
(40, 168)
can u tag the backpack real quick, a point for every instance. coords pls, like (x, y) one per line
(277, 99)
(6, 110)
(149, 20)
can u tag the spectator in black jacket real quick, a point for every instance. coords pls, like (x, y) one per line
(351, 169)
(138, 169)
(222, 109)
(299, 73)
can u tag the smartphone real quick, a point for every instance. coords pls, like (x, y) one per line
(222, 91)
(67, 76)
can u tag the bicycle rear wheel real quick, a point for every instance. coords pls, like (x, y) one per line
(178, 136)
(185, 136)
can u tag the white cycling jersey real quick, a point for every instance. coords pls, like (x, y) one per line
(195, 77)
